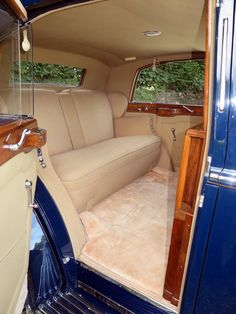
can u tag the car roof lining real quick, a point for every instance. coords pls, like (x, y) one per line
(111, 30)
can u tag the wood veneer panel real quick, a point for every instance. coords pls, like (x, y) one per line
(166, 110)
(10, 133)
(184, 210)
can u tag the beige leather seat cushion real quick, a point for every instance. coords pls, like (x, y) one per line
(94, 172)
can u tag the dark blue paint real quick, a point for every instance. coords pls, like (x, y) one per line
(200, 240)
(27, 3)
(118, 294)
(228, 175)
(217, 291)
(56, 231)
(221, 119)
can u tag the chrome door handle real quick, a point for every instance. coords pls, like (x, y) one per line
(188, 109)
(221, 105)
(17, 146)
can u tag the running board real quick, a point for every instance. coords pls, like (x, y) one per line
(73, 302)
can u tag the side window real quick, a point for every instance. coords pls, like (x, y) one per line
(175, 82)
(44, 73)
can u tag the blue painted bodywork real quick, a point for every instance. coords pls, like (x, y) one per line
(37, 7)
(217, 289)
(210, 285)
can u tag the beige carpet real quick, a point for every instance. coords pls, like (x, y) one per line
(129, 233)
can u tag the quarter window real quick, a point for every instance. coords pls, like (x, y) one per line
(176, 82)
(45, 73)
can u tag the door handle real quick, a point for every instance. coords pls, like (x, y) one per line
(28, 186)
(173, 133)
(221, 105)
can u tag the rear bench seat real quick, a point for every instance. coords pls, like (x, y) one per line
(88, 158)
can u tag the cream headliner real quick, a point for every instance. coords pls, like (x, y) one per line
(111, 30)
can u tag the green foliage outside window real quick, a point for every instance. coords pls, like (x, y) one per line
(180, 82)
(48, 73)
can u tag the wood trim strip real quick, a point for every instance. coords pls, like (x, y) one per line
(10, 133)
(17, 7)
(165, 110)
(207, 65)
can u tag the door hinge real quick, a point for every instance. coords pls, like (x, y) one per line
(41, 159)
(66, 259)
(201, 200)
(219, 3)
(208, 166)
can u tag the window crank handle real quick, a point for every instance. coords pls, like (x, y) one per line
(17, 146)
(173, 133)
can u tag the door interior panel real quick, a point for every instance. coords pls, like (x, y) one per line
(15, 226)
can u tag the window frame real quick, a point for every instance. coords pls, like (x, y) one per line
(165, 109)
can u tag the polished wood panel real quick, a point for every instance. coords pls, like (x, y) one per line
(166, 110)
(184, 210)
(10, 133)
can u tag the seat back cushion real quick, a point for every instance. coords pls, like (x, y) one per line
(50, 116)
(72, 120)
(3, 106)
(118, 103)
(95, 115)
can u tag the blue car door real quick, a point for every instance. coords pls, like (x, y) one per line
(213, 256)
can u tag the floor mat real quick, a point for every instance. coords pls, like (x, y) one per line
(129, 233)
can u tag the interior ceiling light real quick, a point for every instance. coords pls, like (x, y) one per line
(130, 58)
(152, 33)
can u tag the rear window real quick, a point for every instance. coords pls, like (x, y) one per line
(175, 82)
(45, 73)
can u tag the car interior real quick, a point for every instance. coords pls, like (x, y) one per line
(123, 169)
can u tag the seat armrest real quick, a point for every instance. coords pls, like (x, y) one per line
(135, 124)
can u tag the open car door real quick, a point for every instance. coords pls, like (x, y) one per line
(20, 139)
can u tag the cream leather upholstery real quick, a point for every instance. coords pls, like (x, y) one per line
(50, 116)
(3, 107)
(92, 173)
(87, 157)
(95, 115)
(118, 103)
(15, 226)
(71, 116)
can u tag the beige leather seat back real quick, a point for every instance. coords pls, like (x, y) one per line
(50, 116)
(72, 120)
(118, 103)
(3, 107)
(95, 115)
